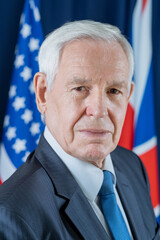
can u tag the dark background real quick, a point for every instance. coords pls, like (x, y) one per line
(56, 12)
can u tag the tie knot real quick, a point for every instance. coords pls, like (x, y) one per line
(107, 185)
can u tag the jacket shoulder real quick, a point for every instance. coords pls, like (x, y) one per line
(130, 163)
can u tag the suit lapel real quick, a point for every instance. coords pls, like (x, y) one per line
(82, 215)
(78, 208)
(130, 206)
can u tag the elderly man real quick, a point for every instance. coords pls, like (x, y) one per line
(78, 184)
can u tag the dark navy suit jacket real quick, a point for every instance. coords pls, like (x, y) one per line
(42, 201)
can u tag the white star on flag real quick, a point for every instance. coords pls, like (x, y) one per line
(36, 58)
(11, 133)
(26, 74)
(36, 14)
(35, 10)
(19, 61)
(22, 19)
(6, 121)
(25, 156)
(19, 103)
(27, 116)
(37, 141)
(31, 88)
(19, 145)
(35, 128)
(26, 30)
(33, 44)
(12, 91)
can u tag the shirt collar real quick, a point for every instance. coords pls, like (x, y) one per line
(88, 176)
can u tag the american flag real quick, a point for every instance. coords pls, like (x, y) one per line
(139, 128)
(22, 123)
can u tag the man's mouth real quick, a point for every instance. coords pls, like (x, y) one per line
(95, 132)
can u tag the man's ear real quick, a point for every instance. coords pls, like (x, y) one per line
(40, 86)
(131, 90)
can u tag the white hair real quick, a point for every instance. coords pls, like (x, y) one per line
(52, 46)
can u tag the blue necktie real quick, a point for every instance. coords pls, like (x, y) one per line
(111, 210)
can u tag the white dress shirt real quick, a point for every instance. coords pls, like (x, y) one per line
(89, 177)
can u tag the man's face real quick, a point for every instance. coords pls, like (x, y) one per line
(86, 106)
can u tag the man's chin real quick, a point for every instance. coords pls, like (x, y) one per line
(94, 156)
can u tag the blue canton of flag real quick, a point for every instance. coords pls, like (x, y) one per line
(22, 124)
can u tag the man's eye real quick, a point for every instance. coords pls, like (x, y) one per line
(80, 89)
(114, 91)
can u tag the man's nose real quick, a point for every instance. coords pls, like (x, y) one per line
(97, 105)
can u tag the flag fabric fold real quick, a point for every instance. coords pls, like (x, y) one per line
(22, 124)
(142, 120)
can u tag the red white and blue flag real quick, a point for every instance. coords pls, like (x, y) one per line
(139, 132)
(22, 124)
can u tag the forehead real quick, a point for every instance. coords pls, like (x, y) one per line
(95, 56)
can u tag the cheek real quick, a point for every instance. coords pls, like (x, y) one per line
(53, 114)
(118, 116)
(73, 110)
(71, 115)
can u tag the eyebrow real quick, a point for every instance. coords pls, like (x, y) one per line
(78, 80)
(118, 83)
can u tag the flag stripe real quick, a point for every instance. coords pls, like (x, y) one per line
(143, 126)
(150, 161)
(145, 141)
(127, 139)
(144, 5)
(141, 42)
(6, 165)
(157, 211)
(146, 146)
(146, 119)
